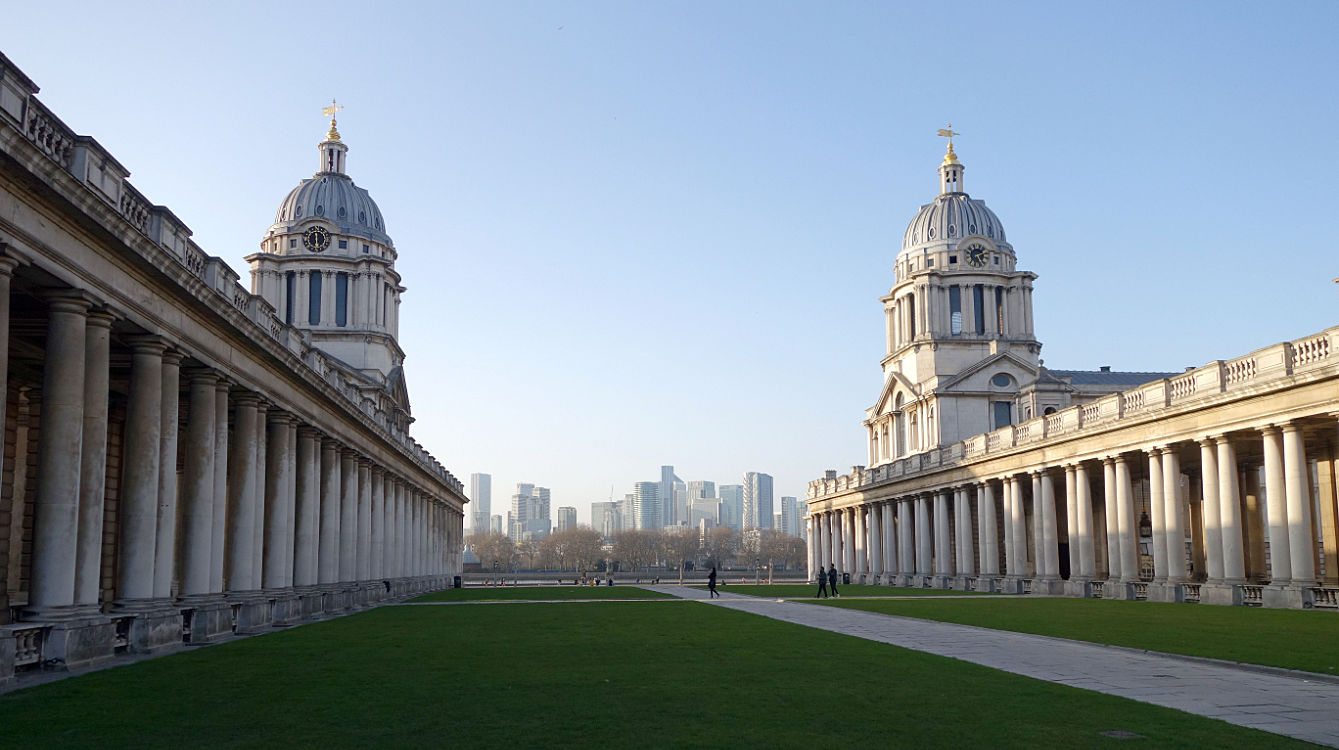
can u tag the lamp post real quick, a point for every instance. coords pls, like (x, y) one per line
(757, 572)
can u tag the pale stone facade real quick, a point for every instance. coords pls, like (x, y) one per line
(1214, 485)
(179, 462)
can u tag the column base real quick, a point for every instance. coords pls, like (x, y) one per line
(285, 609)
(1079, 588)
(1009, 585)
(156, 626)
(205, 618)
(74, 636)
(1047, 587)
(252, 611)
(1289, 596)
(1165, 591)
(1220, 593)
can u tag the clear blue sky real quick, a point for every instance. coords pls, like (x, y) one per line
(641, 233)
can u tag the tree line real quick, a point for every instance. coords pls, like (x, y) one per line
(583, 549)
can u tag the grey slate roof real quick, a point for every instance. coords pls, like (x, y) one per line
(1097, 377)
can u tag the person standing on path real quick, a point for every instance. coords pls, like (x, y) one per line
(822, 583)
(711, 583)
(832, 580)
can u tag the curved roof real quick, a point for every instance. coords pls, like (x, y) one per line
(949, 218)
(334, 197)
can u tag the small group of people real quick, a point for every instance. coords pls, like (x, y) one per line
(825, 580)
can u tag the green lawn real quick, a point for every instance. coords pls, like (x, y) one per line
(802, 590)
(610, 674)
(539, 593)
(1295, 639)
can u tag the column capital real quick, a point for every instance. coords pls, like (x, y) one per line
(147, 342)
(7, 262)
(280, 416)
(246, 398)
(364, 461)
(378, 469)
(203, 375)
(172, 356)
(305, 430)
(100, 317)
(67, 300)
(1269, 429)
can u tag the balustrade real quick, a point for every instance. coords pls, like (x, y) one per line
(1252, 595)
(1141, 590)
(28, 646)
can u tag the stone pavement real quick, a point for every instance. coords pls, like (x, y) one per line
(1289, 703)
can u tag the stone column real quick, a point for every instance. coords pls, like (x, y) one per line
(7, 265)
(328, 555)
(1212, 513)
(1020, 528)
(1129, 564)
(291, 503)
(838, 551)
(93, 464)
(1072, 518)
(906, 540)
(138, 519)
(875, 542)
(1176, 535)
(1276, 507)
(242, 496)
(987, 530)
(811, 545)
(197, 487)
(388, 534)
(348, 517)
(55, 545)
(890, 559)
(1158, 511)
(402, 520)
(378, 569)
(258, 495)
(1298, 498)
(1229, 506)
(1113, 519)
(219, 522)
(308, 520)
(364, 540)
(966, 562)
(824, 539)
(860, 546)
(848, 541)
(924, 541)
(1049, 532)
(943, 560)
(278, 526)
(165, 548)
(1011, 567)
(1087, 560)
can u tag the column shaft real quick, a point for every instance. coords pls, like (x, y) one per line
(93, 465)
(308, 520)
(1276, 507)
(1298, 495)
(197, 489)
(241, 538)
(1129, 565)
(364, 520)
(1229, 508)
(328, 556)
(1113, 519)
(165, 547)
(1087, 557)
(1158, 511)
(1176, 535)
(219, 521)
(139, 473)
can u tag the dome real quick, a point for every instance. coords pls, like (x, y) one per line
(336, 199)
(949, 218)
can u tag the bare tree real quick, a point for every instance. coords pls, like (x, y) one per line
(577, 548)
(679, 545)
(720, 545)
(635, 547)
(495, 550)
(777, 547)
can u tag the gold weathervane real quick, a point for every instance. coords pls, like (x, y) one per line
(948, 132)
(330, 111)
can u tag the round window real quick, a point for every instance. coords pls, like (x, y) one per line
(1001, 381)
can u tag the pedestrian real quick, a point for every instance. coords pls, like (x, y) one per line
(822, 583)
(832, 580)
(711, 583)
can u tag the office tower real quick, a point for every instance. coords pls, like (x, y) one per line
(646, 505)
(529, 517)
(481, 502)
(496, 525)
(665, 494)
(606, 518)
(791, 511)
(756, 506)
(732, 498)
(699, 489)
(567, 518)
(705, 509)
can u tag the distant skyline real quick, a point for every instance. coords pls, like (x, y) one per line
(646, 234)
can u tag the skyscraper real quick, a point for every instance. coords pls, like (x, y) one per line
(757, 502)
(669, 515)
(481, 502)
(529, 516)
(791, 511)
(606, 518)
(567, 517)
(646, 505)
(699, 489)
(732, 498)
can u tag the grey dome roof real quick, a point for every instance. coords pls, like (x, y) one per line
(949, 218)
(333, 197)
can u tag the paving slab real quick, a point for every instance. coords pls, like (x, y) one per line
(1290, 704)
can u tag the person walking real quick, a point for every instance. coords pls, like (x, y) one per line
(832, 580)
(822, 583)
(711, 583)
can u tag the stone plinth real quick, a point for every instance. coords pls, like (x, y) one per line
(250, 611)
(211, 618)
(1047, 587)
(78, 642)
(156, 627)
(1078, 587)
(1220, 593)
(1288, 596)
(1165, 592)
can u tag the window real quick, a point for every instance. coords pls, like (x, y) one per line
(979, 307)
(911, 309)
(341, 299)
(955, 310)
(314, 298)
(1048, 410)
(366, 249)
(1001, 381)
(1003, 413)
(999, 310)
(343, 244)
(290, 295)
(952, 259)
(292, 243)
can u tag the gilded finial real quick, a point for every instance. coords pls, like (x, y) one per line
(950, 157)
(330, 111)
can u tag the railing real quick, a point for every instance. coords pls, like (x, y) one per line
(1097, 587)
(1182, 387)
(1141, 590)
(1092, 412)
(969, 584)
(28, 646)
(1252, 595)
(1326, 598)
(1311, 350)
(1239, 370)
(49, 133)
(1190, 592)
(1027, 585)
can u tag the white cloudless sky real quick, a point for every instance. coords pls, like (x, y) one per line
(652, 233)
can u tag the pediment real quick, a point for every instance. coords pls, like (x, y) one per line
(977, 377)
(891, 384)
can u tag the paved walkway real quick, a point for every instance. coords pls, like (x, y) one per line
(1290, 704)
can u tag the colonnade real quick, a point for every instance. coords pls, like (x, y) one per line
(1238, 526)
(192, 506)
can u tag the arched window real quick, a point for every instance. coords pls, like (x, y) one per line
(1048, 410)
(900, 446)
(341, 299)
(314, 298)
(290, 295)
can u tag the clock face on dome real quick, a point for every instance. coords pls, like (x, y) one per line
(976, 255)
(316, 239)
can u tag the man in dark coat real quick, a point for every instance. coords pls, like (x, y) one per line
(711, 583)
(822, 583)
(832, 580)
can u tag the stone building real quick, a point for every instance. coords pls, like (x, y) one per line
(185, 458)
(987, 471)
